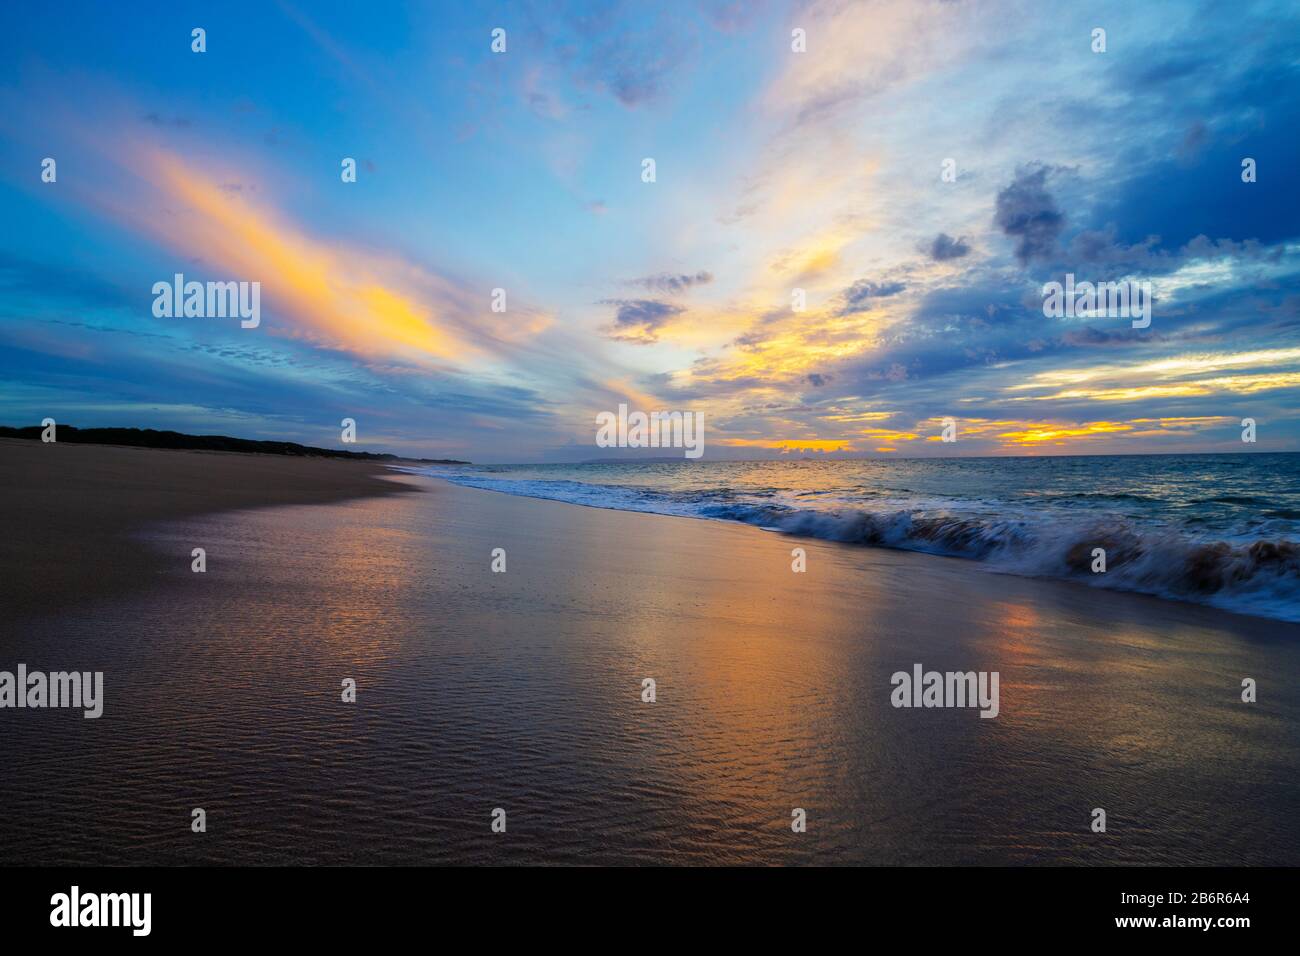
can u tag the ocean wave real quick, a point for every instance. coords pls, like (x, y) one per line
(1259, 576)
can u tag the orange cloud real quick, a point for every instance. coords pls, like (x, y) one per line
(1048, 433)
(1234, 384)
(634, 397)
(336, 294)
(889, 434)
(791, 444)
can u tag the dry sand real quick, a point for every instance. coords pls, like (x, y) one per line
(68, 509)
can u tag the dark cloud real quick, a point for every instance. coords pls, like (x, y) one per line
(859, 296)
(1089, 336)
(669, 284)
(639, 320)
(818, 379)
(1106, 257)
(1184, 179)
(1027, 212)
(952, 330)
(994, 329)
(1100, 248)
(945, 247)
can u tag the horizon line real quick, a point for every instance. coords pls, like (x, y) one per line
(661, 459)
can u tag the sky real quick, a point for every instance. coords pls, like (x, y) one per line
(777, 173)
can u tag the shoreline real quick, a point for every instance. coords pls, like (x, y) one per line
(523, 690)
(1209, 601)
(46, 549)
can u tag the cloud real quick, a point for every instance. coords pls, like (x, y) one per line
(861, 295)
(639, 320)
(668, 284)
(1027, 212)
(338, 295)
(946, 323)
(854, 55)
(1116, 337)
(1202, 132)
(732, 16)
(945, 247)
(616, 50)
(1108, 257)
(1100, 247)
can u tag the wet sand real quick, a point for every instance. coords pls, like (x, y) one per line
(68, 508)
(523, 690)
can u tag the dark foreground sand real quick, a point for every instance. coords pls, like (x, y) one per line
(67, 510)
(522, 690)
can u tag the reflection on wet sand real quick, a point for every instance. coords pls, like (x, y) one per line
(523, 690)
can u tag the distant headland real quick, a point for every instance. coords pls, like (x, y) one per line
(150, 438)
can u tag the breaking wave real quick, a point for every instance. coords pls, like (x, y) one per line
(1258, 576)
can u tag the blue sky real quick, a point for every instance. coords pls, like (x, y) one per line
(775, 171)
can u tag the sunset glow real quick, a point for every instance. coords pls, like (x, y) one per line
(829, 261)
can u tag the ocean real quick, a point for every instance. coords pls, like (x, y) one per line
(1222, 530)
